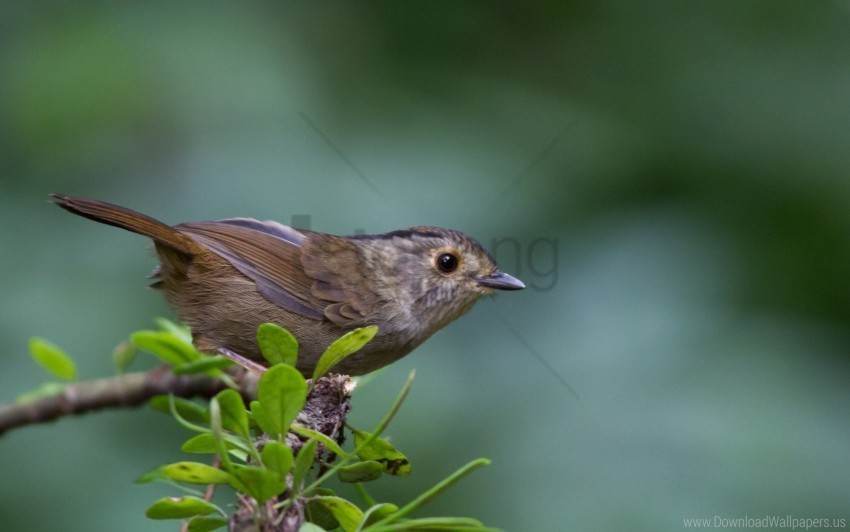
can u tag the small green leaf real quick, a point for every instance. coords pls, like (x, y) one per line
(180, 508)
(166, 346)
(218, 435)
(205, 444)
(380, 450)
(205, 524)
(123, 355)
(53, 359)
(262, 484)
(195, 473)
(207, 363)
(323, 491)
(233, 415)
(282, 392)
(378, 511)
(259, 415)
(323, 439)
(277, 457)
(154, 475)
(277, 344)
(320, 516)
(202, 443)
(303, 463)
(344, 346)
(189, 410)
(182, 332)
(348, 515)
(361, 471)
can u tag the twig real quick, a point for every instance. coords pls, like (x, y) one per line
(124, 391)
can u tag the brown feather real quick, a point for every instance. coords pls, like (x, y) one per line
(273, 263)
(110, 214)
(340, 270)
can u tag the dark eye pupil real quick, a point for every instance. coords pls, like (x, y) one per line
(447, 263)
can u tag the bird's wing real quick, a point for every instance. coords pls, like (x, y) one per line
(312, 274)
(341, 278)
(267, 252)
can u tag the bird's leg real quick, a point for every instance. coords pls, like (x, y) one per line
(250, 365)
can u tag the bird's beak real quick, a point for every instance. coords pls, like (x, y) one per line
(501, 281)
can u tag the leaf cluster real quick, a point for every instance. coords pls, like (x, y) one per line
(251, 446)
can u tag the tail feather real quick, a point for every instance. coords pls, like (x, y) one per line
(124, 218)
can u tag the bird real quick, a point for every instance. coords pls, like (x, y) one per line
(225, 278)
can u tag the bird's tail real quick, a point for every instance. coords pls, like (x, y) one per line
(136, 222)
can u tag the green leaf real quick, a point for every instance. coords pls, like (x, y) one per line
(195, 473)
(205, 524)
(154, 475)
(180, 508)
(259, 415)
(348, 515)
(123, 355)
(277, 457)
(281, 392)
(188, 410)
(218, 435)
(202, 443)
(205, 444)
(233, 415)
(380, 450)
(262, 484)
(320, 516)
(303, 463)
(344, 346)
(166, 346)
(323, 439)
(378, 511)
(182, 332)
(277, 344)
(206, 363)
(53, 359)
(361, 471)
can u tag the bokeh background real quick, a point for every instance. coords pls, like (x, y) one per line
(671, 179)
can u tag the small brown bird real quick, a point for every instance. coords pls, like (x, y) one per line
(225, 278)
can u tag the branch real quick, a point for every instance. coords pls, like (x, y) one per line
(325, 411)
(123, 391)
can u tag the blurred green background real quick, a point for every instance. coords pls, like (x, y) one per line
(671, 179)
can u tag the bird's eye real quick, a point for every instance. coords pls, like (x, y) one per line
(447, 262)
